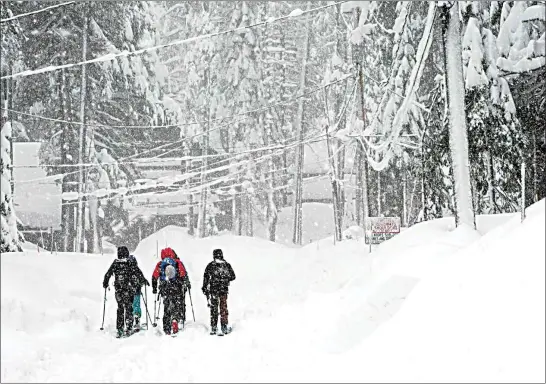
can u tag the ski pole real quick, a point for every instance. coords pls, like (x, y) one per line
(158, 308)
(156, 299)
(155, 307)
(147, 312)
(191, 302)
(145, 300)
(103, 310)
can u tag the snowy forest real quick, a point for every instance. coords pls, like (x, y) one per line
(427, 109)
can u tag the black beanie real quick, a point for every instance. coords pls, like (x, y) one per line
(123, 252)
(217, 254)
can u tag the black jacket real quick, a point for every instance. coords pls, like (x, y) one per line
(218, 275)
(128, 275)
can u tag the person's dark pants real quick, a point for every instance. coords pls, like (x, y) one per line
(181, 305)
(124, 297)
(170, 311)
(218, 300)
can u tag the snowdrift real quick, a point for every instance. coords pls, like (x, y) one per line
(431, 304)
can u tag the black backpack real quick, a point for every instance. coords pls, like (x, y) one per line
(220, 274)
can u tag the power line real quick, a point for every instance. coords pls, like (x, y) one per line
(35, 12)
(281, 149)
(197, 187)
(260, 109)
(112, 56)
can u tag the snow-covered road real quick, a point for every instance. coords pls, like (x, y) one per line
(319, 313)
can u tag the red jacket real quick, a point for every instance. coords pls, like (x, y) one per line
(168, 252)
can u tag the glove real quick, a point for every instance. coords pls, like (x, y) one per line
(146, 282)
(188, 285)
(154, 291)
(105, 285)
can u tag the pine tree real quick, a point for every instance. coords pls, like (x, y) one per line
(491, 115)
(520, 43)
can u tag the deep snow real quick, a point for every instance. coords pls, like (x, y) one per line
(431, 304)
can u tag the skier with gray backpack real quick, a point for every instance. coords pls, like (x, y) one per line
(170, 273)
(218, 275)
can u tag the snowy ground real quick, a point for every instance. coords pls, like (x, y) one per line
(431, 304)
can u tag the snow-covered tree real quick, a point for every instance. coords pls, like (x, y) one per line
(10, 239)
(493, 128)
(464, 212)
(522, 62)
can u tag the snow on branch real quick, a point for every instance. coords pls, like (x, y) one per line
(385, 148)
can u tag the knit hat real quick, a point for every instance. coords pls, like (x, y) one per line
(217, 254)
(123, 252)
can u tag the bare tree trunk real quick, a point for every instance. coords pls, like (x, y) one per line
(271, 211)
(378, 194)
(457, 128)
(202, 220)
(362, 165)
(342, 52)
(404, 195)
(359, 184)
(249, 215)
(491, 183)
(535, 169)
(81, 157)
(65, 208)
(187, 168)
(298, 219)
(266, 128)
(10, 90)
(423, 184)
(522, 189)
(333, 174)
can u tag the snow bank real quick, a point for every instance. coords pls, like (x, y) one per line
(479, 317)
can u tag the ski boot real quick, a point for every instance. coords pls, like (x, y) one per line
(225, 330)
(137, 324)
(213, 330)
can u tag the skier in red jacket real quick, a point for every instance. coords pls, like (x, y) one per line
(171, 274)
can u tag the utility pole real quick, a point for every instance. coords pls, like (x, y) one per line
(80, 222)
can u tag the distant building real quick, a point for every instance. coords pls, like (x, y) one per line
(36, 197)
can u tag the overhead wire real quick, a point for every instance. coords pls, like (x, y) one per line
(35, 12)
(112, 56)
(175, 125)
(199, 187)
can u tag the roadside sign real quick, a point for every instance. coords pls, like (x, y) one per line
(379, 229)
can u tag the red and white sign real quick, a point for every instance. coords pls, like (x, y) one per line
(384, 225)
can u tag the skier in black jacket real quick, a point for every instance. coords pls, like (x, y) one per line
(124, 284)
(218, 275)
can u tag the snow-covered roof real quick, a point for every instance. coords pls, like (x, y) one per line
(37, 203)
